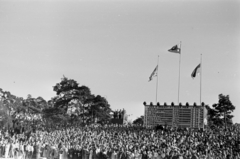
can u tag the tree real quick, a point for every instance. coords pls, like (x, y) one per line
(99, 109)
(77, 101)
(139, 121)
(19, 109)
(220, 115)
(5, 119)
(11, 106)
(69, 91)
(53, 115)
(32, 105)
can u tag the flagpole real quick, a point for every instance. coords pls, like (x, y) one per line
(157, 80)
(201, 80)
(179, 71)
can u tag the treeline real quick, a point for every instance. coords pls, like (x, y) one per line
(72, 103)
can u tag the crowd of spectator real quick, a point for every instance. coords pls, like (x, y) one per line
(120, 142)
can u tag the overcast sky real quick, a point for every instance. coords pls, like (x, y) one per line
(112, 47)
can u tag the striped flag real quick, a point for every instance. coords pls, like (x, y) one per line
(175, 49)
(196, 71)
(154, 73)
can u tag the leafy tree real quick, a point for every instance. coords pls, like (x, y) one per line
(139, 121)
(99, 109)
(67, 92)
(31, 105)
(11, 106)
(17, 108)
(5, 119)
(79, 102)
(53, 115)
(220, 115)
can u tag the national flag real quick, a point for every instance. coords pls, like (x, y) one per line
(175, 49)
(196, 71)
(154, 73)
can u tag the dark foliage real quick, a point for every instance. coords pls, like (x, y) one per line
(220, 115)
(139, 121)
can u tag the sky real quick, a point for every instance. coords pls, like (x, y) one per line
(113, 46)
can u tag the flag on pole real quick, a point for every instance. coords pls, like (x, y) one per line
(196, 71)
(175, 49)
(154, 73)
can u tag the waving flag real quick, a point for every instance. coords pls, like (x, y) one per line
(196, 71)
(175, 49)
(154, 73)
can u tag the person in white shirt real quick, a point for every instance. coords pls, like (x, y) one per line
(15, 149)
(7, 147)
(61, 155)
(27, 150)
(31, 149)
(65, 152)
(49, 151)
(45, 151)
(21, 151)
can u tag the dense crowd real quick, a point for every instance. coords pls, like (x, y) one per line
(120, 142)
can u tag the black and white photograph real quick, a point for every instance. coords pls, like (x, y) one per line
(120, 79)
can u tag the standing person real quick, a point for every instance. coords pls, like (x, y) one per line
(7, 148)
(1, 144)
(65, 152)
(61, 155)
(109, 153)
(154, 154)
(36, 151)
(25, 148)
(13, 150)
(113, 155)
(94, 153)
(31, 148)
(81, 153)
(91, 154)
(98, 150)
(76, 153)
(124, 154)
(102, 155)
(55, 153)
(70, 153)
(4, 148)
(44, 151)
(28, 150)
(48, 151)
(150, 155)
(138, 154)
(86, 154)
(144, 155)
(21, 151)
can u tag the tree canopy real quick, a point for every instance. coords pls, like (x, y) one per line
(71, 103)
(139, 121)
(221, 113)
(78, 101)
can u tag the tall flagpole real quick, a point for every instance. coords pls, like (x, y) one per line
(179, 71)
(201, 80)
(157, 81)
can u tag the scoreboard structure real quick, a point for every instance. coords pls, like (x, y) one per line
(191, 116)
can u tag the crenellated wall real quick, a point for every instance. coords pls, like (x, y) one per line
(192, 116)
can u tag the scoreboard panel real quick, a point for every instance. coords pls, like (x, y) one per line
(175, 116)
